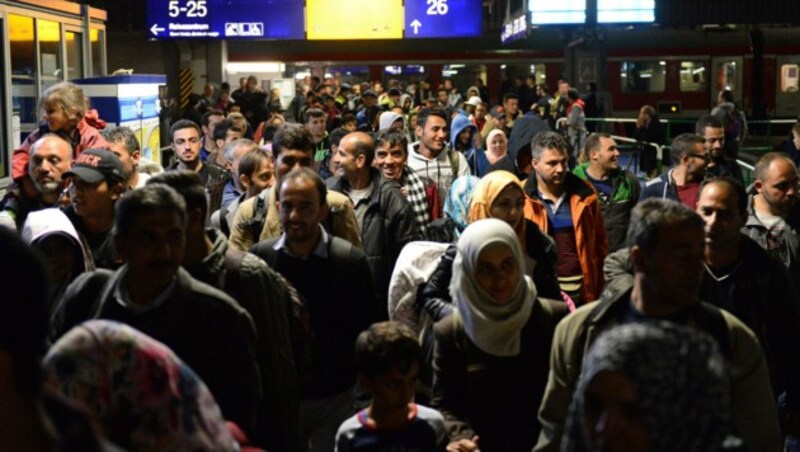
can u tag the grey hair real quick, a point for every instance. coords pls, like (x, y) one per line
(241, 142)
(114, 134)
(547, 140)
(651, 215)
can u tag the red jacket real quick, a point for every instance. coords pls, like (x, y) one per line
(88, 137)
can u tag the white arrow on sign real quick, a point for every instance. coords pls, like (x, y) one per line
(155, 29)
(415, 25)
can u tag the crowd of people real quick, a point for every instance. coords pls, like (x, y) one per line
(398, 270)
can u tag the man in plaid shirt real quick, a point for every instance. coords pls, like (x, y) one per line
(391, 155)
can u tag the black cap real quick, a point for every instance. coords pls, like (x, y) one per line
(369, 92)
(394, 92)
(345, 87)
(96, 165)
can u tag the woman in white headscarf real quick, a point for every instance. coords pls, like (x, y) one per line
(491, 357)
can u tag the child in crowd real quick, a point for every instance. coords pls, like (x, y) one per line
(64, 112)
(387, 361)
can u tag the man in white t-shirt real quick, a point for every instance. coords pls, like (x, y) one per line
(774, 212)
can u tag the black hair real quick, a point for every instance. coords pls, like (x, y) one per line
(735, 186)
(336, 136)
(305, 174)
(422, 117)
(709, 121)
(206, 119)
(650, 216)
(184, 124)
(188, 184)
(149, 199)
(393, 137)
(221, 130)
(386, 346)
(292, 136)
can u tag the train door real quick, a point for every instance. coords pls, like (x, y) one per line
(727, 75)
(6, 122)
(787, 96)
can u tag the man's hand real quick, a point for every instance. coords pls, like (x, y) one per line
(464, 445)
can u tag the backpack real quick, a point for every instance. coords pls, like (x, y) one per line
(734, 125)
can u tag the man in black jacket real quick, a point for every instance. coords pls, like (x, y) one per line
(385, 217)
(335, 281)
(155, 295)
(264, 294)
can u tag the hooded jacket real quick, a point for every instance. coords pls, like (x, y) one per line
(49, 222)
(476, 157)
(590, 232)
(388, 118)
(616, 210)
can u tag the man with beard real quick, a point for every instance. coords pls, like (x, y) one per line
(335, 281)
(617, 189)
(51, 157)
(186, 145)
(713, 132)
(566, 208)
(681, 183)
(773, 213)
(123, 144)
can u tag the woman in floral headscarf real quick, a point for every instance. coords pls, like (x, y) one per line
(139, 393)
(651, 387)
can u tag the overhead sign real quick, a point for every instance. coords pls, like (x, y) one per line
(514, 29)
(627, 11)
(443, 18)
(225, 19)
(546, 12)
(354, 19)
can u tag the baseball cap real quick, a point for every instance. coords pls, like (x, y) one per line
(474, 101)
(96, 165)
(498, 113)
(369, 92)
(394, 92)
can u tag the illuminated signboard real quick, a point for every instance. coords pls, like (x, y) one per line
(354, 19)
(514, 29)
(443, 18)
(225, 19)
(626, 11)
(547, 12)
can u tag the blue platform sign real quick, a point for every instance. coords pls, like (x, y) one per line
(443, 18)
(225, 19)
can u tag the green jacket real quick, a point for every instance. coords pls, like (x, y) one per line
(617, 210)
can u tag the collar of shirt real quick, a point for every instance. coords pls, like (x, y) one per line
(122, 296)
(320, 251)
(553, 205)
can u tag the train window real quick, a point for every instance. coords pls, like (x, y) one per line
(539, 72)
(23, 67)
(74, 55)
(49, 37)
(790, 78)
(643, 76)
(96, 40)
(726, 75)
(693, 76)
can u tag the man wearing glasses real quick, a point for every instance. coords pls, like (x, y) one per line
(186, 144)
(681, 183)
